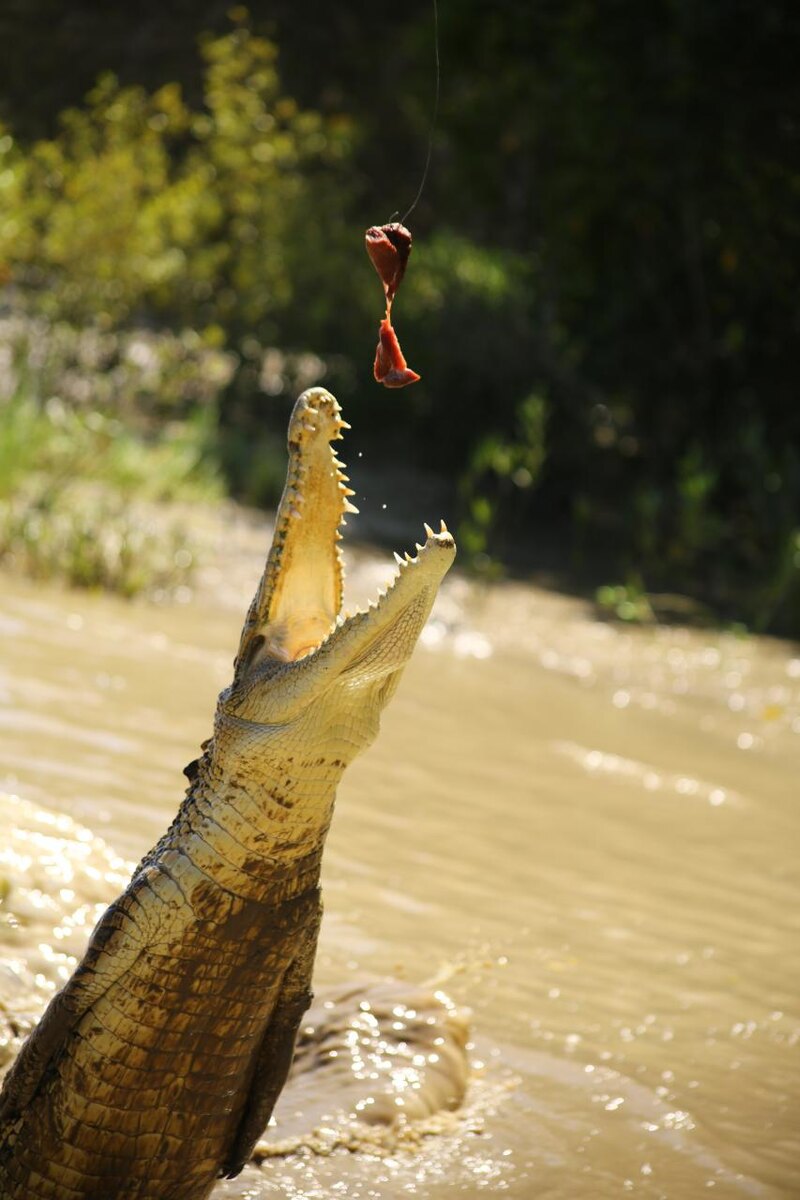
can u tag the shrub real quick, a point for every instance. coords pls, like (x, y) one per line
(141, 204)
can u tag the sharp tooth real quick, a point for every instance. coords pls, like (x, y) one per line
(398, 559)
(444, 528)
(344, 425)
(346, 491)
(418, 548)
(428, 530)
(408, 557)
(348, 507)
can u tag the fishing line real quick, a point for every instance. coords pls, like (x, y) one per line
(435, 115)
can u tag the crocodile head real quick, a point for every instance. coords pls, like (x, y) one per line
(302, 661)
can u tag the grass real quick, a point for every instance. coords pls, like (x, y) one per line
(78, 493)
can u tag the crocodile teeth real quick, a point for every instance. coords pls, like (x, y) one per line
(428, 530)
(400, 562)
(444, 528)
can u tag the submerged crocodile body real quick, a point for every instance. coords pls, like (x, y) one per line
(156, 1068)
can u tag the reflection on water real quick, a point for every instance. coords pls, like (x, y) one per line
(592, 831)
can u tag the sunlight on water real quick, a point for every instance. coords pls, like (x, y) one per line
(588, 834)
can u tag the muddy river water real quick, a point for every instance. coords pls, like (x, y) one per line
(586, 835)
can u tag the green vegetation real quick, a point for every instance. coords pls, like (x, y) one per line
(603, 299)
(143, 205)
(77, 482)
(626, 602)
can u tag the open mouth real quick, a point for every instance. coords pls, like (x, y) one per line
(298, 608)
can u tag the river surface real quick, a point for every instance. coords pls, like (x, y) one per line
(587, 835)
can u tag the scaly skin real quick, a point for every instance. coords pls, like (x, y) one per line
(156, 1068)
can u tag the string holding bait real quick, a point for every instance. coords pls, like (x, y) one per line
(434, 116)
(389, 248)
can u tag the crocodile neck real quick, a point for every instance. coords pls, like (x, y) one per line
(260, 839)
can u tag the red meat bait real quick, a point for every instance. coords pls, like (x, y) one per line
(390, 366)
(389, 247)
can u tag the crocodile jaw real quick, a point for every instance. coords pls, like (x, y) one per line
(300, 593)
(296, 642)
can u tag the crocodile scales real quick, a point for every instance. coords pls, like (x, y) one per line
(156, 1068)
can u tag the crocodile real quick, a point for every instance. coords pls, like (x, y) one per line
(153, 1072)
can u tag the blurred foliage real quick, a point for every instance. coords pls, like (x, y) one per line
(141, 205)
(139, 377)
(78, 483)
(498, 467)
(625, 601)
(603, 298)
(91, 538)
